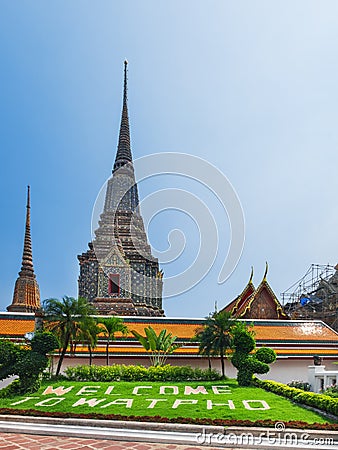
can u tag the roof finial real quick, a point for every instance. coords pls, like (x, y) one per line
(266, 270)
(251, 275)
(125, 85)
(28, 196)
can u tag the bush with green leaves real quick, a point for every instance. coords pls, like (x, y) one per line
(246, 363)
(304, 385)
(26, 363)
(318, 401)
(158, 346)
(139, 373)
(332, 391)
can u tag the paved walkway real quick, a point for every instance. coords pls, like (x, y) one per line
(12, 441)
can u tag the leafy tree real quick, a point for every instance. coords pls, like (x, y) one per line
(26, 363)
(110, 326)
(88, 334)
(215, 337)
(159, 346)
(64, 318)
(240, 326)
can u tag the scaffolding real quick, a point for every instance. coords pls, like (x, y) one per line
(314, 296)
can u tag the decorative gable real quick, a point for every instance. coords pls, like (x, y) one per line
(115, 259)
(260, 303)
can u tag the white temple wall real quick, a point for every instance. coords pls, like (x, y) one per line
(283, 370)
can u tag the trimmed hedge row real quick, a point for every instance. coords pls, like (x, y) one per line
(320, 401)
(122, 372)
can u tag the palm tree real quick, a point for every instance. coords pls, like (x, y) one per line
(88, 334)
(110, 326)
(215, 338)
(203, 336)
(64, 319)
(159, 346)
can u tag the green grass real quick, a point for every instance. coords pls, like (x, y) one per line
(280, 409)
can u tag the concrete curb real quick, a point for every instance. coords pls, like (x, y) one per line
(215, 436)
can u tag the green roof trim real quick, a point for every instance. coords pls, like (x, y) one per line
(14, 316)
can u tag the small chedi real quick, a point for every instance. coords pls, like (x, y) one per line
(26, 296)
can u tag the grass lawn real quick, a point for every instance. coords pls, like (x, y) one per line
(216, 400)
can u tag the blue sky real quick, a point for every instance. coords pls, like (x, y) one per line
(250, 86)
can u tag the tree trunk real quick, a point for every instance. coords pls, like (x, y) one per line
(209, 362)
(64, 349)
(107, 353)
(222, 363)
(90, 355)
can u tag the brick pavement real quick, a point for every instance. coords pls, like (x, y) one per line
(12, 441)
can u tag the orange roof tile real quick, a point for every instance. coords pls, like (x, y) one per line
(15, 327)
(265, 330)
(288, 330)
(133, 349)
(181, 330)
(307, 331)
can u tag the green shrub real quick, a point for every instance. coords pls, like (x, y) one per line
(320, 401)
(44, 343)
(300, 385)
(331, 391)
(248, 363)
(265, 355)
(28, 364)
(139, 373)
(243, 341)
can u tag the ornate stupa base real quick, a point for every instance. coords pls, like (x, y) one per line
(125, 307)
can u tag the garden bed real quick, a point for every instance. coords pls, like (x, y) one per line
(209, 402)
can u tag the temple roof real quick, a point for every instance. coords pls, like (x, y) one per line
(289, 338)
(242, 298)
(253, 300)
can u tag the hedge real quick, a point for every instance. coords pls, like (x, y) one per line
(323, 402)
(122, 372)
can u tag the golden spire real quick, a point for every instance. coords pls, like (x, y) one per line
(27, 268)
(26, 296)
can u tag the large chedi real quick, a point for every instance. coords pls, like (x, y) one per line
(118, 273)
